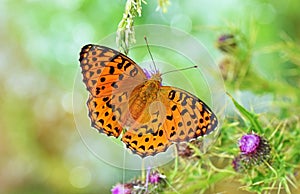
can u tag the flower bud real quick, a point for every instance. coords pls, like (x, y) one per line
(226, 43)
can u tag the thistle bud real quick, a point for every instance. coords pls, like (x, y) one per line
(226, 43)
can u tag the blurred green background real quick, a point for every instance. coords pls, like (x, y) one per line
(40, 148)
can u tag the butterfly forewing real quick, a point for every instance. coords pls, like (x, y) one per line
(110, 77)
(106, 71)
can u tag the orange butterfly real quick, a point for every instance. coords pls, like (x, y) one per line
(123, 97)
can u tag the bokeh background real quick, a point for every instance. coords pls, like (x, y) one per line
(40, 147)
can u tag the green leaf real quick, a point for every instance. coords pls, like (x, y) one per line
(250, 116)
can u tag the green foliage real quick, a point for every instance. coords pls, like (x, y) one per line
(252, 118)
(125, 32)
(40, 148)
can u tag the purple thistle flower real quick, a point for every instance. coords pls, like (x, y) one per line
(121, 189)
(249, 143)
(154, 178)
(254, 150)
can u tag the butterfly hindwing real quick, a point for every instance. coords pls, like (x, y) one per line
(176, 116)
(146, 136)
(102, 116)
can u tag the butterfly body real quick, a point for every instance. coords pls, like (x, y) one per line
(123, 96)
(146, 94)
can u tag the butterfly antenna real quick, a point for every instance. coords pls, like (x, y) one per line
(150, 53)
(182, 69)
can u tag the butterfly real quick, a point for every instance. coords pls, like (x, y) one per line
(125, 100)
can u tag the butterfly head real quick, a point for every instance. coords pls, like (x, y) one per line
(156, 77)
(153, 75)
